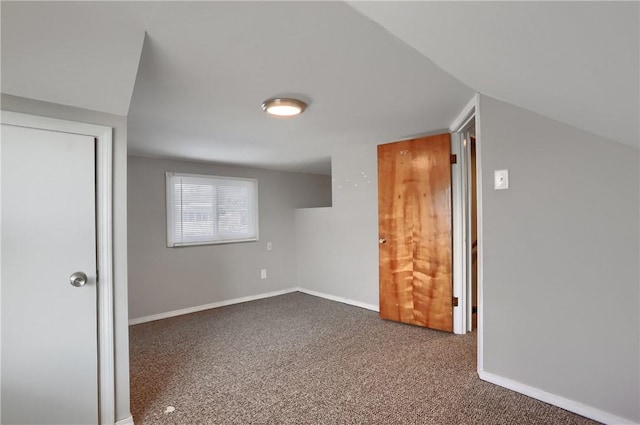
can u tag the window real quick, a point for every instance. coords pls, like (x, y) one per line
(209, 209)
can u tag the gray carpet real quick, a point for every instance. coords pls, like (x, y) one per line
(298, 359)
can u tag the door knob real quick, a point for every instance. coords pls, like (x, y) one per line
(78, 279)
(382, 240)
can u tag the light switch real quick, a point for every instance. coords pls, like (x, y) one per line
(501, 179)
(269, 246)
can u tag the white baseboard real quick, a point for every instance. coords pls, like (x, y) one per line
(556, 400)
(339, 299)
(195, 309)
(126, 421)
(208, 306)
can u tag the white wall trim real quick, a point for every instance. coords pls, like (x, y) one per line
(104, 242)
(465, 115)
(459, 185)
(479, 218)
(556, 400)
(348, 301)
(459, 231)
(106, 331)
(126, 421)
(53, 124)
(195, 309)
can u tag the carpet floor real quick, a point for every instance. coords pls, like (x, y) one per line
(299, 359)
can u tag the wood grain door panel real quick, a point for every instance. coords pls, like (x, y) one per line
(414, 184)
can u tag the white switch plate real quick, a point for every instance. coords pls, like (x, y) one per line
(501, 179)
(263, 274)
(269, 246)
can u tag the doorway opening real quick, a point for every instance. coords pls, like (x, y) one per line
(466, 196)
(471, 222)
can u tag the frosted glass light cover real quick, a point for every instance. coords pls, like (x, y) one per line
(284, 107)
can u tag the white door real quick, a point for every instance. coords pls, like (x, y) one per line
(49, 327)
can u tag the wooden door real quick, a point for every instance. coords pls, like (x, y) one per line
(49, 319)
(415, 229)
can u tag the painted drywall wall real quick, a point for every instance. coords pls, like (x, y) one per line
(338, 247)
(165, 279)
(560, 254)
(560, 259)
(119, 125)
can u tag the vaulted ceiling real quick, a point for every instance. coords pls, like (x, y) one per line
(191, 75)
(576, 62)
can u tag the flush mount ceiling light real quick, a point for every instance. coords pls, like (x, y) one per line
(284, 107)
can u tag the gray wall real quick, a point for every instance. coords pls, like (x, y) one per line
(561, 249)
(338, 247)
(119, 124)
(164, 279)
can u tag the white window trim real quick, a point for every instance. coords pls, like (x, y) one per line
(168, 196)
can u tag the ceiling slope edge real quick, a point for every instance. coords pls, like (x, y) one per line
(91, 62)
(533, 56)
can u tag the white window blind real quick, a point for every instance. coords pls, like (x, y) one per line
(210, 209)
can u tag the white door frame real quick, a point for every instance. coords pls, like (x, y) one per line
(458, 205)
(461, 246)
(104, 234)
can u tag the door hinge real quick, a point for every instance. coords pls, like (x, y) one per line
(454, 159)
(455, 301)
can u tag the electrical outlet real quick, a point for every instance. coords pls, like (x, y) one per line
(263, 274)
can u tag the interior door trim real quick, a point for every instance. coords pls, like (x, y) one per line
(104, 242)
(472, 109)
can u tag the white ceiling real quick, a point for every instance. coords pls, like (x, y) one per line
(206, 67)
(576, 62)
